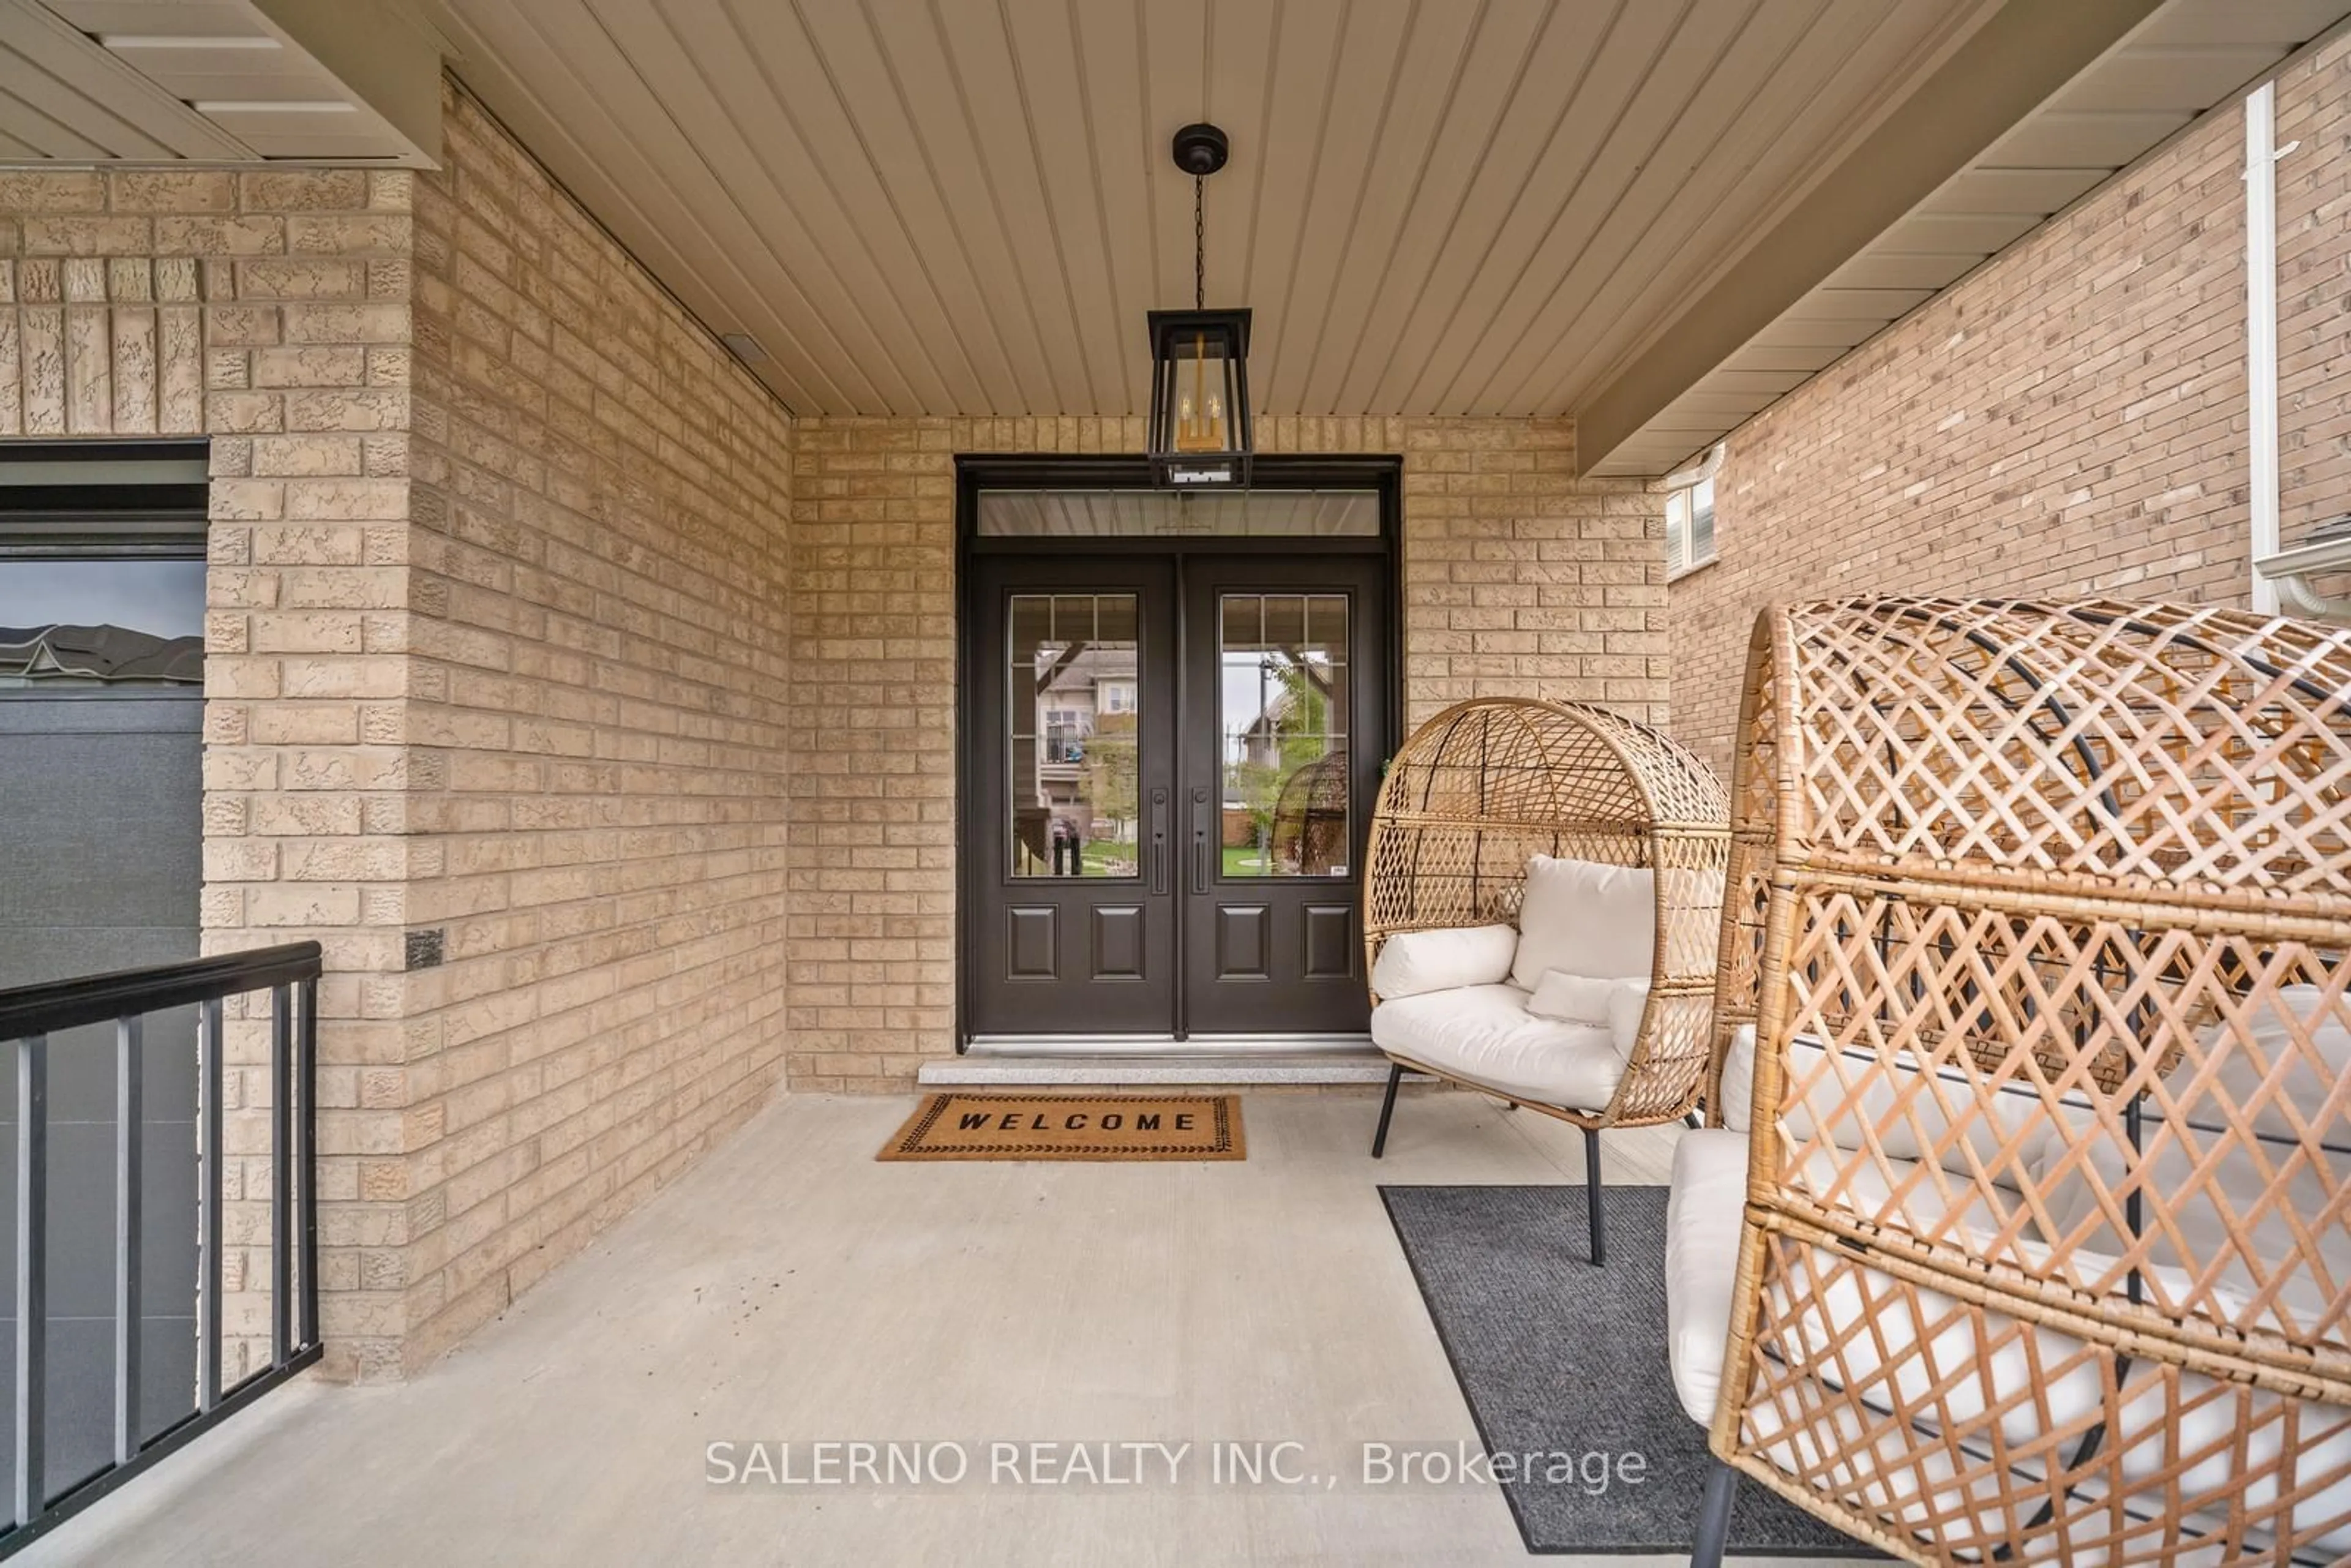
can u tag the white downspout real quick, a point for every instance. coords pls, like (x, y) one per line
(2261, 331)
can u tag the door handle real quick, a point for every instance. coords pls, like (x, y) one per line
(1199, 838)
(1159, 839)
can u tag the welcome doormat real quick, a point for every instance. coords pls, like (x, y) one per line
(1071, 1127)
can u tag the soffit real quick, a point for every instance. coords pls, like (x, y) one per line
(169, 81)
(2188, 57)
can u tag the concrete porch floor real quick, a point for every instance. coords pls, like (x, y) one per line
(793, 1287)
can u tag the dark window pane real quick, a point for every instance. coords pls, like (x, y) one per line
(1073, 717)
(101, 623)
(1161, 514)
(1282, 676)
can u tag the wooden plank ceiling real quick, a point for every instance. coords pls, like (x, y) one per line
(965, 206)
(1654, 215)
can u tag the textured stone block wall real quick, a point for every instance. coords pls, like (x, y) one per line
(268, 310)
(596, 723)
(496, 649)
(1518, 580)
(2068, 421)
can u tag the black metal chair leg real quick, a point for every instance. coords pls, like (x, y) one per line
(1714, 1515)
(1387, 1108)
(1592, 1182)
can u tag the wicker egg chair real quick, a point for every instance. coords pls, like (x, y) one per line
(2034, 1010)
(1310, 818)
(1493, 781)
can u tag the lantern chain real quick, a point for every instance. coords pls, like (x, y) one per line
(1199, 250)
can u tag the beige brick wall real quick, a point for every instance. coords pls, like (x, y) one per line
(2314, 204)
(2069, 420)
(495, 647)
(1518, 580)
(269, 309)
(595, 731)
(499, 605)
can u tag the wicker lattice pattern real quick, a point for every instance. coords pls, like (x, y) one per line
(1309, 817)
(2041, 915)
(1490, 782)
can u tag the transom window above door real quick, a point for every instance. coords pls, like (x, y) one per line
(1164, 514)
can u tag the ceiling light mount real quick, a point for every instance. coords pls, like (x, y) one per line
(1201, 149)
(1199, 433)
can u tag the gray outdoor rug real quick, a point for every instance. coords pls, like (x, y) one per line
(1556, 1356)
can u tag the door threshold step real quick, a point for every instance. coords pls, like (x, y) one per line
(1023, 1072)
(1163, 1047)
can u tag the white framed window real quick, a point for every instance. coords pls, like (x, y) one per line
(1689, 516)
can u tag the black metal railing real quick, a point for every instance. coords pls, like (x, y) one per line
(29, 1017)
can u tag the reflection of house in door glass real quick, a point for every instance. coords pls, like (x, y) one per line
(1073, 711)
(1283, 705)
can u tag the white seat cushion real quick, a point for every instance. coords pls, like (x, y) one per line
(1703, 1213)
(1413, 962)
(1703, 1225)
(2235, 1433)
(1587, 919)
(1702, 1219)
(2221, 1217)
(1484, 1035)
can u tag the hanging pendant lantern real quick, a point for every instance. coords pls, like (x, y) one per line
(1200, 436)
(1199, 399)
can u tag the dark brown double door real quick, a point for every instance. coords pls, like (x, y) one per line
(1173, 760)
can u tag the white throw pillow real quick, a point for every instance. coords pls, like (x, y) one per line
(1628, 1002)
(2274, 1058)
(1849, 1103)
(1691, 945)
(1412, 962)
(1572, 999)
(1737, 1105)
(1587, 919)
